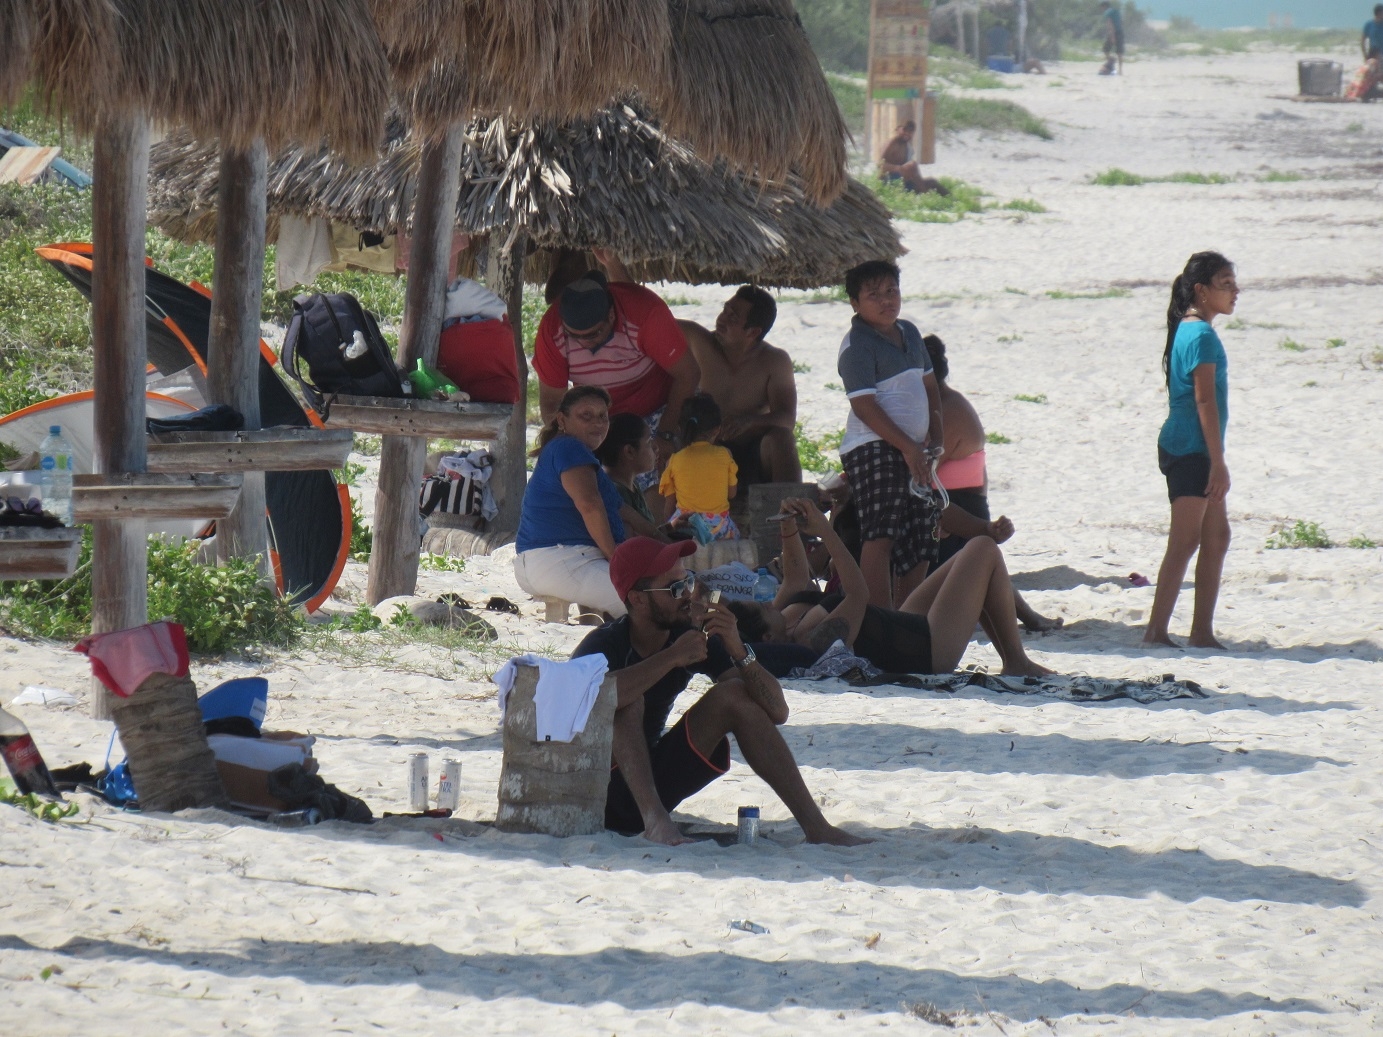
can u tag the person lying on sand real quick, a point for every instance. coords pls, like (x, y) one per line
(668, 635)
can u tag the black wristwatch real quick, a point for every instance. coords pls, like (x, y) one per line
(749, 658)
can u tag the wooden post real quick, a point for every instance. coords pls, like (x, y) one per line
(120, 561)
(960, 30)
(394, 559)
(510, 478)
(233, 346)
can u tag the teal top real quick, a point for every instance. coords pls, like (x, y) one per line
(1196, 343)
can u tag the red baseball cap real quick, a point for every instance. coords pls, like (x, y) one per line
(641, 557)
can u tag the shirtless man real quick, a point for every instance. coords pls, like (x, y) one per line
(753, 383)
(897, 163)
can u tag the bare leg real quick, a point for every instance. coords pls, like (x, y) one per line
(727, 709)
(1031, 619)
(1182, 541)
(630, 751)
(910, 581)
(974, 582)
(1209, 565)
(778, 455)
(875, 562)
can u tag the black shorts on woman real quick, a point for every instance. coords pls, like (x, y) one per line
(1188, 475)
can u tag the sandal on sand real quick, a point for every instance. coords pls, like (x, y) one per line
(501, 604)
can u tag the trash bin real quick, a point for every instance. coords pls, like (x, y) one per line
(1319, 78)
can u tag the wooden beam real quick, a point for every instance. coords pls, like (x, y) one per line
(265, 450)
(120, 167)
(39, 554)
(103, 498)
(428, 419)
(397, 532)
(510, 477)
(233, 345)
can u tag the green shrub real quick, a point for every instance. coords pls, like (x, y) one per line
(818, 455)
(1123, 178)
(1292, 346)
(1118, 178)
(362, 535)
(1361, 543)
(1300, 534)
(954, 114)
(928, 207)
(222, 608)
(1023, 397)
(996, 438)
(1023, 205)
(1107, 293)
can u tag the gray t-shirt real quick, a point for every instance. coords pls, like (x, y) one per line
(871, 365)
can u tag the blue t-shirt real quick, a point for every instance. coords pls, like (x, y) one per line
(550, 517)
(1373, 32)
(1196, 343)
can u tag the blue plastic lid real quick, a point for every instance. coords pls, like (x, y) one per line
(55, 430)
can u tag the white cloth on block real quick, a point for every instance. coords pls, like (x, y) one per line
(566, 692)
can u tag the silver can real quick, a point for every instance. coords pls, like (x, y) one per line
(417, 782)
(748, 826)
(449, 785)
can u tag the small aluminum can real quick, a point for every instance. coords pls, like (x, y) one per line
(748, 826)
(449, 785)
(417, 782)
(296, 818)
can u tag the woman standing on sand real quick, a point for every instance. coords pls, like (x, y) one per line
(1191, 446)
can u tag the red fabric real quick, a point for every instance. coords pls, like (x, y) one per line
(123, 659)
(479, 357)
(632, 367)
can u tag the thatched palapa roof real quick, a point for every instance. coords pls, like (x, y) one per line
(301, 70)
(17, 32)
(615, 180)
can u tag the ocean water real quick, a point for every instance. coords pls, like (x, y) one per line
(1224, 14)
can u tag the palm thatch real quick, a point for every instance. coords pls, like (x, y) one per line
(279, 69)
(17, 30)
(615, 180)
(557, 59)
(742, 82)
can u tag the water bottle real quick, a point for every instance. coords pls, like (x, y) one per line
(55, 474)
(23, 759)
(765, 587)
(296, 818)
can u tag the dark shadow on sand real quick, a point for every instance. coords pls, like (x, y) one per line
(1085, 635)
(641, 980)
(891, 747)
(1063, 578)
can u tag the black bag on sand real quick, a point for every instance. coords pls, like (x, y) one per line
(340, 344)
(298, 790)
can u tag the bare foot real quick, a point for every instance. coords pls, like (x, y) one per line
(1204, 641)
(1159, 639)
(833, 836)
(1039, 624)
(665, 833)
(1026, 668)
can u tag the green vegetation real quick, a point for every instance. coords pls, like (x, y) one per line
(223, 608)
(1300, 534)
(818, 455)
(1188, 37)
(1334, 343)
(1023, 397)
(1355, 127)
(834, 387)
(929, 207)
(1292, 346)
(362, 535)
(442, 563)
(1277, 176)
(1023, 205)
(1104, 293)
(1361, 543)
(800, 367)
(996, 438)
(1123, 178)
(954, 114)
(836, 293)
(1010, 338)
(851, 94)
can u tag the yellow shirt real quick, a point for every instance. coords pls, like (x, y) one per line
(700, 476)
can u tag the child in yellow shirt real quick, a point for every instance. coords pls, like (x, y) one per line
(701, 478)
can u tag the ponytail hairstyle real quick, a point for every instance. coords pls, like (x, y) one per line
(936, 349)
(1200, 269)
(699, 418)
(569, 400)
(626, 430)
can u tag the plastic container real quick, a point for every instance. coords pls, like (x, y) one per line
(1320, 78)
(24, 760)
(55, 467)
(765, 587)
(296, 818)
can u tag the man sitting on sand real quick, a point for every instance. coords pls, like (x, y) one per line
(897, 163)
(653, 651)
(754, 385)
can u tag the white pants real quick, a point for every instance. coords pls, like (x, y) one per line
(579, 574)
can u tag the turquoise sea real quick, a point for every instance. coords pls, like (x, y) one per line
(1225, 14)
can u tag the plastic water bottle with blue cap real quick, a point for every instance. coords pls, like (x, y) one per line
(55, 474)
(765, 587)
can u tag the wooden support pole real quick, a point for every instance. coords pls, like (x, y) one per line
(120, 563)
(510, 478)
(394, 559)
(233, 346)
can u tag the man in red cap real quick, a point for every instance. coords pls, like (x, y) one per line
(667, 636)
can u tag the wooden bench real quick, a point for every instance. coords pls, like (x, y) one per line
(98, 498)
(262, 450)
(27, 553)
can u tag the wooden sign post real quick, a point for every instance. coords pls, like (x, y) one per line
(898, 75)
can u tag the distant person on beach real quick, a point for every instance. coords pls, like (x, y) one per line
(896, 163)
(753, 383)
(1363, 87)
(1371, 39)
(700, 479)
(894, 421)
(1191, 446)
(1112, 22)
(667, 636)
(964, 475)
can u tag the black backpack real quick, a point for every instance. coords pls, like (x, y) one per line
(344, 352)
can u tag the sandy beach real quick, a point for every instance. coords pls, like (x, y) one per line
(1200, 866)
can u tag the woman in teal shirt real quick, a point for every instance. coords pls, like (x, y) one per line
(1191, 446)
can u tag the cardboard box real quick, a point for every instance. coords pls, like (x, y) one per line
(244, 764)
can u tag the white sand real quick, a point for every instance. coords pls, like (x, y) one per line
(1206, 867)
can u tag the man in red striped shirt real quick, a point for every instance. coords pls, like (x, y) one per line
(623, 338)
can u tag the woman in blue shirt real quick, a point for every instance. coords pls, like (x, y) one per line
(1191, 446)
(569, 525)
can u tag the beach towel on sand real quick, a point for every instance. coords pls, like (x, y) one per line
(1056, 685)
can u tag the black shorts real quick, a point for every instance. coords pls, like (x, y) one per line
(977, 504)
(748, 459)
(879, 479)
(679, 771)
(1188, 475)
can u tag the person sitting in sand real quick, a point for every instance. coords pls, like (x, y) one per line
(1191, 445)
(667, 635)
(570, 521)
(962, 473)
(896, 163)
(927, 634)
(626, 452)
(700, 478)
(754, 384)
(1365, 81)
